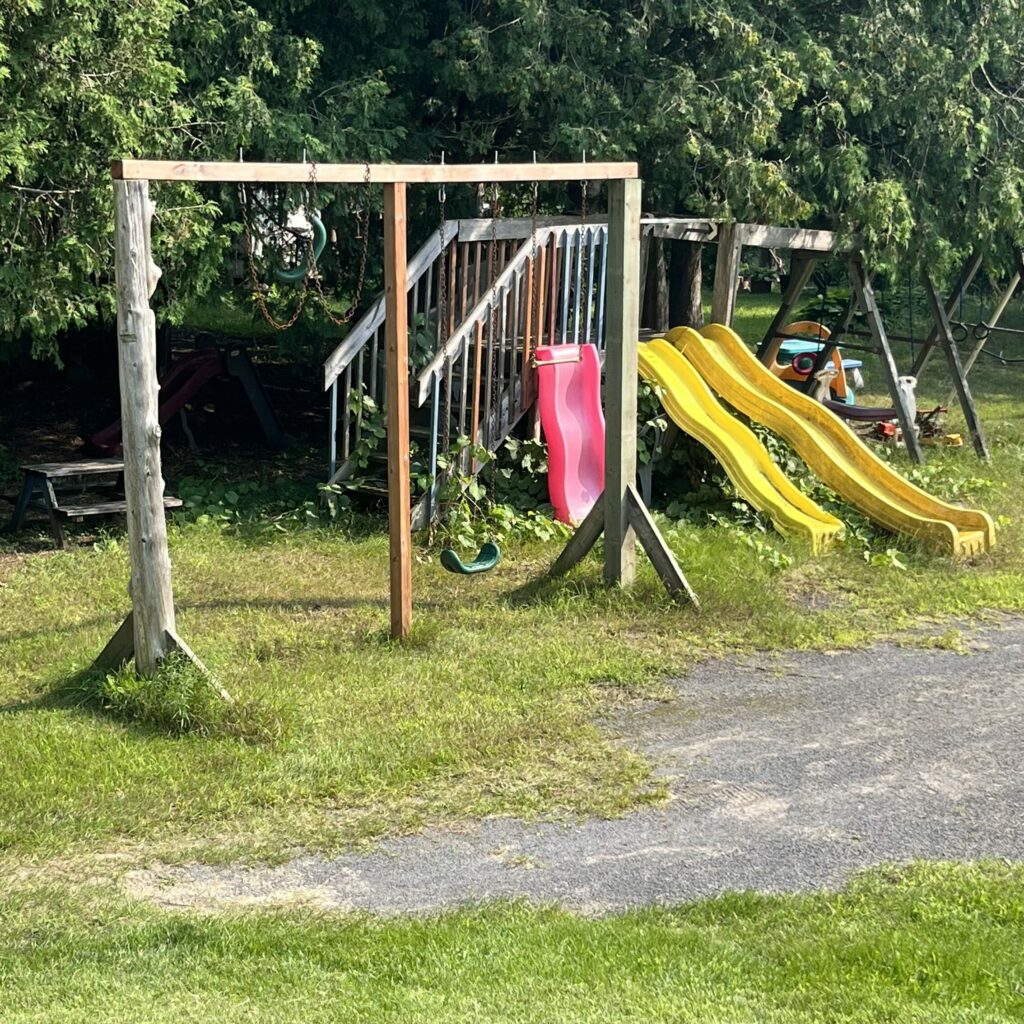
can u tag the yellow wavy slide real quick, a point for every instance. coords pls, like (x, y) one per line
(690, 403)
(828, 447)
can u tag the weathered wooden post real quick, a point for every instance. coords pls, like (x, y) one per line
(148, 633)
(727, 273)
(620, 513)
(397, 400)
(622, 333)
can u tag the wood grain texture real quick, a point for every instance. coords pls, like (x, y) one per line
(136, 276)
(380, 174)
(727, 274)
(622, 334)
(86, 467)
(658, 551)
(397, 408)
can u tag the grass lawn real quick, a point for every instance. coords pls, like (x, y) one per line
(491, 708)
(929, 943)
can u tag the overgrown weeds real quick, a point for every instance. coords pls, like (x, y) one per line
(180, 699)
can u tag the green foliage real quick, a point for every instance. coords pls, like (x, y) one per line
(504, 499)
(82, 83)
(923, 942)
(253, 506)
(179, 699)
(900, 122)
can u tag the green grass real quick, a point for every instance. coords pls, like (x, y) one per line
(489, 709)
(340, 736)
(921, 944)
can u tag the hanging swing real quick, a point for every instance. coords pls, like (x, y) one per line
(489, 554)
(304, 275)
(306, 266)
(487, 558)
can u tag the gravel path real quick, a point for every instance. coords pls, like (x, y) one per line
(786, 773)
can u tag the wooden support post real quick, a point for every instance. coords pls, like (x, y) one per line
(801, 268)
(646, 240)
(945, 335)
(997, 315)
(623, 318)
(620, 512)
(660, 554)
(397, 408)
(963, 282)
(727, 273)
(866, 298)
(828, 350)
(153, 633)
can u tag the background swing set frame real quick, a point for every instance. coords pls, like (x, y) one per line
(149, 632)
(809, 247)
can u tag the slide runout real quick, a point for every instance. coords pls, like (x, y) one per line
(829, 448)
(569, 400)
(692, 406)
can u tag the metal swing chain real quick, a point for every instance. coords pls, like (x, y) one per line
(363, 227)
(492, 269)
(442, 327)
(256, 286)
(583, 256)
(534, 283)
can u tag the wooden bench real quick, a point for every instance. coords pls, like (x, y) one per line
(39, 482)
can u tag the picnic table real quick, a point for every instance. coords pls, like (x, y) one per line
(57, 485)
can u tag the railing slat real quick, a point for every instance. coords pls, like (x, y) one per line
(602, 290)
(460, 336)
(592, 250)
(374, 316)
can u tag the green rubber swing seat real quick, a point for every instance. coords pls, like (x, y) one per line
(297, 274)
(488, 557)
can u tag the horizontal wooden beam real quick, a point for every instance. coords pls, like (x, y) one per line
(479, 229)
(681, 229)
(808, 239)
(301, 174)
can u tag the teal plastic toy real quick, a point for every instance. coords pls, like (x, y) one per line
(297, 274)
(488, 557)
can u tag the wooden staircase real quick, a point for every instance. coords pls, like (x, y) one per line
(511, 285)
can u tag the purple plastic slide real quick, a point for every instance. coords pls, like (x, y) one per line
(569, 396)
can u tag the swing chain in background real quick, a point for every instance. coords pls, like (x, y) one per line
(257, 288)
(583, 256)
(362, 228)
(442, 328)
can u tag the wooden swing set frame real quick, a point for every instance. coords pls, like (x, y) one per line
(149, 633)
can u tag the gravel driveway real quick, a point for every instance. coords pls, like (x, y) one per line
(786, 772)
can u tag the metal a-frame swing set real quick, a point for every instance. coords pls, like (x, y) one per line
(809, 248)
(149, 633)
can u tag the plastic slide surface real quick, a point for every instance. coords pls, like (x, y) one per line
(695, 410)
(186, 376)
(569, 397)
(828, 447)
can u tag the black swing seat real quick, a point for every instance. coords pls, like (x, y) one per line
(487, 558)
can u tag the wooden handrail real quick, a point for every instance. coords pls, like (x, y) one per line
(494, 293)
(371, 320)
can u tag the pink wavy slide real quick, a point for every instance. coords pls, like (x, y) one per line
(569, 395)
